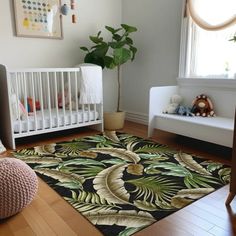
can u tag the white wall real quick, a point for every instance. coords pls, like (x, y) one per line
(158, 42)
(16, 52)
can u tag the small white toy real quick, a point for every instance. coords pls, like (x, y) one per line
(2, 148)
(175, 101)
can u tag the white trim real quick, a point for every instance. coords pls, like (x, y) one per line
(137, 117)
(183, 57)
(206, 82)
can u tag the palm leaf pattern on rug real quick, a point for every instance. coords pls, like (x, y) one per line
(123, 183)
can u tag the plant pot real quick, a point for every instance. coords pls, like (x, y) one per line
(114, 120)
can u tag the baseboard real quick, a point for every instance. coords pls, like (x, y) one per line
(137, 117)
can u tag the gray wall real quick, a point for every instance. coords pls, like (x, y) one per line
(158, 42)
(16, 52)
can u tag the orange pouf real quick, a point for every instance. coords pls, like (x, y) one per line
(18, 186)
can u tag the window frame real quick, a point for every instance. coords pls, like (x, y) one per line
(186, 55)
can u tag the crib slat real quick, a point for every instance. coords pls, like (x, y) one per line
(56, 98)
(33, 99)
(16, 98)
(76, 97)
(25, 100)
(41, 99)
(89, 115)
(49, 100)
(69, 95)
(63, 98)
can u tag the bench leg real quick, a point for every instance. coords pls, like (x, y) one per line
(230, 198)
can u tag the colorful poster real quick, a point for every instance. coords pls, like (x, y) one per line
(38, 18)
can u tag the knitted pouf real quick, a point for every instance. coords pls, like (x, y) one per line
(18, 186)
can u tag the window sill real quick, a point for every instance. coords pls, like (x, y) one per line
(206, 82)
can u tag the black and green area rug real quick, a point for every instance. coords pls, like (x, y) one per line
(122, 183)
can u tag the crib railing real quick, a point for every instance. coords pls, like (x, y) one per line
(47, 99)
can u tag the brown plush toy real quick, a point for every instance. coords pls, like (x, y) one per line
(202, 106)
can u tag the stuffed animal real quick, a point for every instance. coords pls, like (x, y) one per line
(184, 111)
(175, 101)
(202, 106)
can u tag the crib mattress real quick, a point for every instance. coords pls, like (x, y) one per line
(53, 119)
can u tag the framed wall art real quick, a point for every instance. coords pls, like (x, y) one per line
(38, 18)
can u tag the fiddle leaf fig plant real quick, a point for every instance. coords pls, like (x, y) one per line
(112, 53)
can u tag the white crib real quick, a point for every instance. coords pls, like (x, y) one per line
(37, 101)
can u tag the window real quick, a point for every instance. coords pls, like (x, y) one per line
(208, 51)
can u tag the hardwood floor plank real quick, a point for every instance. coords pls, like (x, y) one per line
(58, 225)
(17, 222)
(221, 223)
(5, 229)
(36, 221)
(25, 231)
(217, 231)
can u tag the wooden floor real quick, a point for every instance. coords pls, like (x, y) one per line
(49, 214)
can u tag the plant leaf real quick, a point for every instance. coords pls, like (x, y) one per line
(129, 231)
(130, 218)
(89, 202)
(59, 175)
(45, 149)
(108, 184)
(84, 49)
(129, 28)
(144, 205)
(186, 196)
(79, 161)
(120, 153)
(111, 135)
(112, 30)
(121, 55)
(135, 169)
(188, 161)
(155, 189)
(42, 160)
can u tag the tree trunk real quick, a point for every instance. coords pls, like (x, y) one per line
(118, 90)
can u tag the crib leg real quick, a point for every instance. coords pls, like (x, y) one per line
(98, 127)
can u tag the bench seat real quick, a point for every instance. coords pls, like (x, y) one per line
(218, 130)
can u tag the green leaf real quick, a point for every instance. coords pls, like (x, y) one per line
(129, 40)
(121, 153)
(121, 55)
(155, 189)
(92, 58)
(129, 28)
(99, 33)
(88, 202)
(129, 231)
(133, 50)
(70, 185)
(84, 49)
(109, 62)
(96, 39)
(187, 161)
(117, 37)
(62, 177)
(112, 30)
(117, 44)
(101, 50)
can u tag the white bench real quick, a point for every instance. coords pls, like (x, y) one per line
(218, 130)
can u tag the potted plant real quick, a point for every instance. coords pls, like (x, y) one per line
(112, 54)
